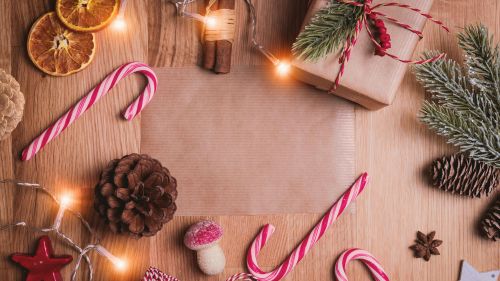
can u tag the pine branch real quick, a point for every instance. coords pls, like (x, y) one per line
(453, 90)
(480, 143)
(328, 31)
(465, 108)
(482, 59)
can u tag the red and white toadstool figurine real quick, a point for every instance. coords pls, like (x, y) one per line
(203, 237)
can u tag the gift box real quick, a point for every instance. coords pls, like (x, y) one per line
(369, 80)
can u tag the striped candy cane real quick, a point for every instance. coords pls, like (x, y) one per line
(303, 248)
(154, 274)
(368, 259)
(241, 276)
(95, 94)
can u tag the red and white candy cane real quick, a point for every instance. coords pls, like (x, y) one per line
(368, 259)
(303, 248)
(154, 274)
(95, 94)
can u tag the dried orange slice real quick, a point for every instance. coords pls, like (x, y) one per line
(87, 15)
(57, 50)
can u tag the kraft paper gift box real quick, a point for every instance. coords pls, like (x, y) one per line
(369, 80)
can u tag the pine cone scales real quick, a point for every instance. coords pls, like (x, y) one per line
(136, 195)
(11, 104)
(491, 222)
(465, 176)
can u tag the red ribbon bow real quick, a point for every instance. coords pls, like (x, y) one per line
(369, 12)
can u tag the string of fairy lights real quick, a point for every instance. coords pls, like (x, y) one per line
(64, 201)
(282, 66)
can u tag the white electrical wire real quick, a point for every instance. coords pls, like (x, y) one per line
(55, 228)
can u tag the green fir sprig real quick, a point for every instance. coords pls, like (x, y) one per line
(482, 59)
(465, 103)
(328, 31)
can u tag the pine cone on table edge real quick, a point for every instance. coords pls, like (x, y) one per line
(136, 195)
(465, 176)
(490, 222)
(12, 104)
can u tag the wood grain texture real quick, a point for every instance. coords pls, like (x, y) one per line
(73, 161)
(6, 161)
(391, 145)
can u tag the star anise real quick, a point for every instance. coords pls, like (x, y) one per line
(426, 245)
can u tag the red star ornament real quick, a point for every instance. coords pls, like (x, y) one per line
(43, 266)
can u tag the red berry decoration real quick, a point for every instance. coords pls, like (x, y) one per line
(379, 23)
(385, 37)
(380, 52)
(385, 45)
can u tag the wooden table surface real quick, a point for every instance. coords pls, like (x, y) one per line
(390, 144)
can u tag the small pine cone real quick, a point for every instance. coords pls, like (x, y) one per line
(136, 195)
(490, 225)
(11, 104)
(465, 176)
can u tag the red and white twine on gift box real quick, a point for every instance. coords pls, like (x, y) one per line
(369, 12)
(95, 94)
(256, 273)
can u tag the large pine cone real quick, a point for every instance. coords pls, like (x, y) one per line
(463, 175)
(490, 224)
(11, 104)
(136, 195)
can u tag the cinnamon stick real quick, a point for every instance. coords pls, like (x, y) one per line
(223, 47)
(209, 48)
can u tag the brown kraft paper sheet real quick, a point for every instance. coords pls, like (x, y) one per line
(249, 142)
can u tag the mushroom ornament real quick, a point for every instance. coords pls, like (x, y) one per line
(203, 237)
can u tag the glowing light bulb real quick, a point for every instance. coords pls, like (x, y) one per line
(283, 68)
(210, 22)
(119, 24)
(120, 264)
(65, 200)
